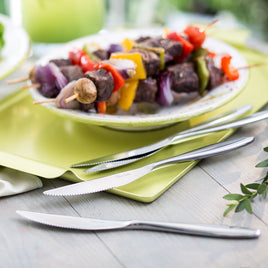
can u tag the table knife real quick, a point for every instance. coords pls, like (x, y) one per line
(120, 179)
(89, 224)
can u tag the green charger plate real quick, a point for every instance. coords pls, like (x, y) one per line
(41, 143)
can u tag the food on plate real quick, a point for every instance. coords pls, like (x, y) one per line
(152, 70)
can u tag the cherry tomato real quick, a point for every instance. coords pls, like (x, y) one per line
(195, 36)
(87, 64)
(230, 71)
(187, 47)
(75, 56)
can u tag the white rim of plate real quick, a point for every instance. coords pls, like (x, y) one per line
(16, 49)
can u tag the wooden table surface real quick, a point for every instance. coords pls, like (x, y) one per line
(196, 198)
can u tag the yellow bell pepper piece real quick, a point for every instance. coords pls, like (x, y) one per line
(127, 94)
(136, 57)
(127, 44)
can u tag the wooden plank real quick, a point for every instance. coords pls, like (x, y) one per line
(25, 244)
(238, 167)
(196, 198)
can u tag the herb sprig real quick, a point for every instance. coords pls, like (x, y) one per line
(243, 201)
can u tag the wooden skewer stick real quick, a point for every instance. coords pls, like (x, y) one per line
(71, 98)
(18, 80)
(209, 25)
(250, 66)
(31, 86)
(44, 101)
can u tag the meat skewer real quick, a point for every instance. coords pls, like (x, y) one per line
(166, 60)
(31, 86)
(17, 80)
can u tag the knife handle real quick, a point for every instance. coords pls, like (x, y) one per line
(207, 151)
(221, 231)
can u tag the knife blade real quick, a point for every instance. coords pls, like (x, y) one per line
(89, 224)
(120, 179)
(220, 119)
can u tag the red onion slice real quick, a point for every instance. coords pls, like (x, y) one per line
(114, 48)
(44, 76)
(165, 96)
(50, 78)
(61, 80)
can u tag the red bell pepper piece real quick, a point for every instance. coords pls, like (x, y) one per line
(118, 79)
(195, 35)
(87, 64)
(101, 107)
(187, 47)
(75, 56)
(230, 71)
(211, 54)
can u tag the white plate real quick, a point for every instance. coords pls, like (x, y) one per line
(164, 116)
(16, 49)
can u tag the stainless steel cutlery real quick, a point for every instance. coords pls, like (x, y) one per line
(217, 120)
(120, 179)
(89, 224)
(219, 124)
(153, 148)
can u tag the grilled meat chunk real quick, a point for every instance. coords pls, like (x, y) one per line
(72, 72)
(87, 107)
(184, 78)
(104, 83)
(142, 39)
(101, 54)
(61, 62)
(172, 48)
(146, 91)
(215, 74)
(150, 60)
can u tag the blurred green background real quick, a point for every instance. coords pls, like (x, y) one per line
(251, 13)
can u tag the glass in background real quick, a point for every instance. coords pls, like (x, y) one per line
(135, 13)
(53, 21)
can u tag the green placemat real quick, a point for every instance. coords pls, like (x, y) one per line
(38, 142)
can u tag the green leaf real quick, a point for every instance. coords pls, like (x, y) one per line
(244, 189)
(262, 188)
(230, 208)
(264, 194)
(253, 186)
(265, 149)
(240, 206)
(233, 196)
(265, 177)
(263, 163)
(247, 205)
